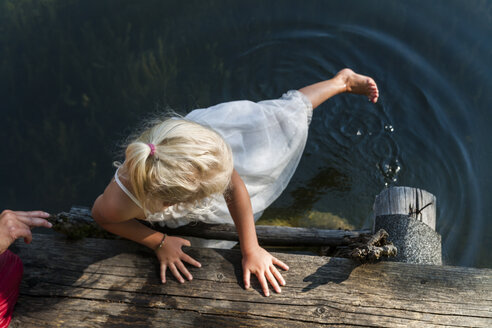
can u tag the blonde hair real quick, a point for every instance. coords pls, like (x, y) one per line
(190, 163)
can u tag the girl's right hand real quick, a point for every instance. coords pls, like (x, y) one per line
(171, 256)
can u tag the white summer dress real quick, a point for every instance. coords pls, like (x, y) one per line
(267, 139)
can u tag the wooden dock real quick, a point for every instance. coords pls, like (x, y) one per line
(115, 283)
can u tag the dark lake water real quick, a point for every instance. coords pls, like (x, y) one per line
(77, 76)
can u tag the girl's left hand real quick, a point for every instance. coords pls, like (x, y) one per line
(261, 263)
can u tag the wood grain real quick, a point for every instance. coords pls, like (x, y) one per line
(114, 283)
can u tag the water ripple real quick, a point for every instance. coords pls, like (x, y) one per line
(410, 137)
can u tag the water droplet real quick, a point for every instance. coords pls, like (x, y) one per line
(389, 128)
(389, 171)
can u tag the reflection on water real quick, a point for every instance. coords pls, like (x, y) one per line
(78, 76)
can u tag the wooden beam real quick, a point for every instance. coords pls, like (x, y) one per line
(115, 283)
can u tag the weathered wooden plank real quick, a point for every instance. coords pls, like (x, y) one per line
(88, 313)
(93, 283)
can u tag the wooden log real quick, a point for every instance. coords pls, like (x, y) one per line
(78, 223)
(115, 283)
(271, 235)
(409, 217)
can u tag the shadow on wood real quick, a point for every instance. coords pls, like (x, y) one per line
(335, 271)
(114, 283)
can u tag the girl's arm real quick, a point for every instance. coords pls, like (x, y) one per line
(124, 227)
(256, 260)
(115, 216)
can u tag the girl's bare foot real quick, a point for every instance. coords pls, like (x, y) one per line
(358, 84)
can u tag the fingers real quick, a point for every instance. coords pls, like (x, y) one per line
(273, 281)
(246, 278)
(279, 263)
(18, 232)
(39, 214)
(176, 273)
(34, 221)
(274, 278)
(263, 284)
(163, 273)
(171, 256)
(184, 271)
(188, 259)
(277, 275)
(175, 269)
(33, 218)
(262, 265)
(186, 242)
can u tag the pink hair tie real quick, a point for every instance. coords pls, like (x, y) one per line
(152, 149)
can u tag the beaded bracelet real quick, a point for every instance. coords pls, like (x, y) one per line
(162, 243)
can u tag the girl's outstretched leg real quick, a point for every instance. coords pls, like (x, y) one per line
(344, 81)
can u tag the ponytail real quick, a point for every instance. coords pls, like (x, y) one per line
(136, 156)
(178, 162)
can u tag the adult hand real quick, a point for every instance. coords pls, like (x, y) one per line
(261, 263)
(171, 256)
(17, 224)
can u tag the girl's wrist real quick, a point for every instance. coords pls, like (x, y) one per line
(159, 246)
(249, 248)
(155, 240)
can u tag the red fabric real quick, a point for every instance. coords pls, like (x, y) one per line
(10, 277)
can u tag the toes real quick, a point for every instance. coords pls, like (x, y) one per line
(373, 91)
(373, 96)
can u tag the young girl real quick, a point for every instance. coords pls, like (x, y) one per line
(245, 151)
